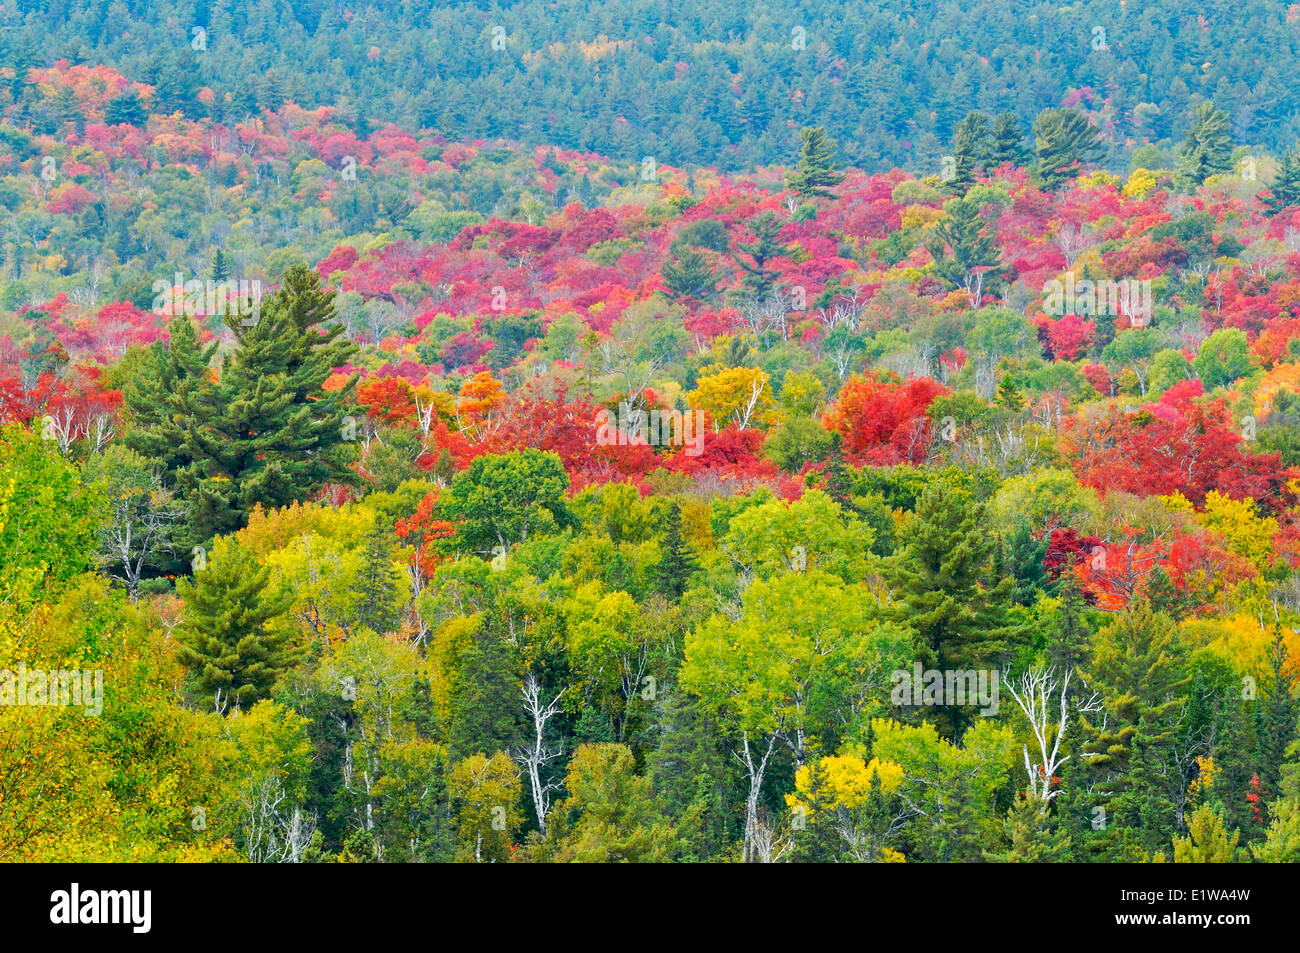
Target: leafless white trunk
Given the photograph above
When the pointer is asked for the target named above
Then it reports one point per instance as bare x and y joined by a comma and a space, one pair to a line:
756, 771
274, 831
743, 414
139, 527
1072, 239
1036, 692
538, 753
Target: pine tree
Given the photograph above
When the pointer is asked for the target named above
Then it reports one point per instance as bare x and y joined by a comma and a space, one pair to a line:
943, 575
1064, 139
875, 820
957, 835
1281, 843
377, 586
161, 398
964, 247
267, 432
1069, 648
759, 278
1207, 148
68, 109
1024, 559
1137, 669
1033, 834
838, 482
1280, 719
486, 713
1168, 597
972, 150
592, 726
739, 353
676, 564
220, 266
1235, 762
694, 784
19, 59
1008, 394
815, 835
160, 401
419, 710
817, 172
230, 641
1207, 840
1081, 810
1285, 192
1151, 784
125, 109
1008, 142
688, 274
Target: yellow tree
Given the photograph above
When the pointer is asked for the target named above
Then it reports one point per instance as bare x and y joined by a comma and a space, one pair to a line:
738, 395
485, 796
805, 652
838, 789
1207, 842
1243, 530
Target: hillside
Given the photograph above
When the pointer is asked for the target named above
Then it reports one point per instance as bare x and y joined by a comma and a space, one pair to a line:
471, 499
710, 83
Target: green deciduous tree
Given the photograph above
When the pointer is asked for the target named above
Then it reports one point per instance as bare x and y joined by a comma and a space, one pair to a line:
501, 500
799, 441
806, 654
142, 514
49, 520
959, 790
485, 796
1223, 357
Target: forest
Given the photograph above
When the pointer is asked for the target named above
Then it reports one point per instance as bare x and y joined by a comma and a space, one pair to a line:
712, 82
445, 489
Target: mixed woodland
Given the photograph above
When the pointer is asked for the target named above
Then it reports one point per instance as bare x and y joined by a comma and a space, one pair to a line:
366, 581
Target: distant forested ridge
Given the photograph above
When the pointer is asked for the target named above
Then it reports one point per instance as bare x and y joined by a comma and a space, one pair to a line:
716, 83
